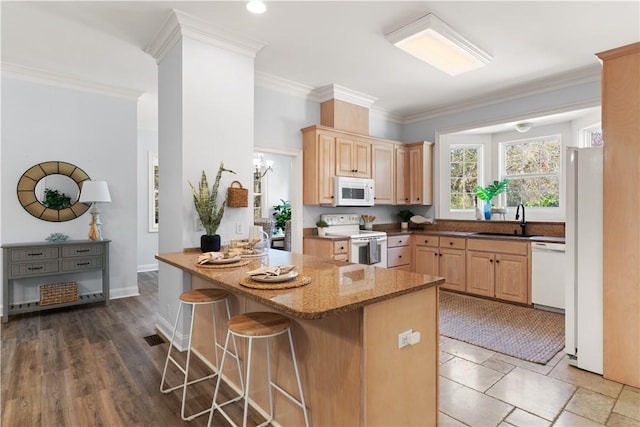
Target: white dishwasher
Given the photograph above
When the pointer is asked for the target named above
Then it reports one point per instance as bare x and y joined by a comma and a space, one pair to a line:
548, 275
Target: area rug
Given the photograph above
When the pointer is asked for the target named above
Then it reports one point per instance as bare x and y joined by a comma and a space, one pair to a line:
522, 332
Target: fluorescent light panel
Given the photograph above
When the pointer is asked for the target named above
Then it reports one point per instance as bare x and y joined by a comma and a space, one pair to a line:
434, 42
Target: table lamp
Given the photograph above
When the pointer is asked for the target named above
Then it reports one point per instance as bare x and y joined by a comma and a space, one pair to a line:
94, 192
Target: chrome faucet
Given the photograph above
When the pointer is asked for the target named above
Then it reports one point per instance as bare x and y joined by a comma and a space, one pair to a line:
523, 223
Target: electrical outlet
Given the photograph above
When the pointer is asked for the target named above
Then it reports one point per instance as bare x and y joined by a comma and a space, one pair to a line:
404, 338
238, 228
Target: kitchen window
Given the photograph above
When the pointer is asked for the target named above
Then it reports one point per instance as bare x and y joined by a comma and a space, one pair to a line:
464, 166
592, 136
533, 167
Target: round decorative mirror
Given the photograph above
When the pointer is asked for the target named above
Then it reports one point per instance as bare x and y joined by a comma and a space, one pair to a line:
50, 191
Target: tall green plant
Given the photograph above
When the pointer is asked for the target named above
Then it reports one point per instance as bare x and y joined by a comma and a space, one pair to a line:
487, 193
206, 201
282, 214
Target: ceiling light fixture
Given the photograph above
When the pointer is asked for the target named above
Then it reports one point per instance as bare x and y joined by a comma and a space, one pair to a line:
523, 127
256, 6
433, 41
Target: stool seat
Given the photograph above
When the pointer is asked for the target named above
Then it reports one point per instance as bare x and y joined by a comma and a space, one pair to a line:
206, 295
258, 324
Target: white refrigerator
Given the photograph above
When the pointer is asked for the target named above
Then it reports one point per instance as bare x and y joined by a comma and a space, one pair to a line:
583, 232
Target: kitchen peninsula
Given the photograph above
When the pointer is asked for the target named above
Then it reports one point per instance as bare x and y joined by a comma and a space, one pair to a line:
345, 327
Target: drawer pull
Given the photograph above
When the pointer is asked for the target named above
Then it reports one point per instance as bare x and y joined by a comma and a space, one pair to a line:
35, 254
35, 268
426, 241
399, 241
399, 256
83, 263
82, 250
450, 243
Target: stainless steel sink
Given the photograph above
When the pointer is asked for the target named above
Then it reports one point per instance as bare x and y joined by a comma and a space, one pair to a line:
488, 233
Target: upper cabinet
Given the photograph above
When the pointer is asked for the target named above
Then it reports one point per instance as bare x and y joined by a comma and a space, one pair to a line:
353, 157
403, 173
319, 166
383, 172
414, 174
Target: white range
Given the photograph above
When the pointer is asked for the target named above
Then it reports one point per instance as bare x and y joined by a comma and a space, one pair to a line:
365, 246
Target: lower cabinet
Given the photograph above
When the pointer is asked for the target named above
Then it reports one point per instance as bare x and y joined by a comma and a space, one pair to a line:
327, 248
504, 274
441, 256
399, 252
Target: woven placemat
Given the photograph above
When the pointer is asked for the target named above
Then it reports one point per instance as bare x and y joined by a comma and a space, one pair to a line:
240, 263
300, 280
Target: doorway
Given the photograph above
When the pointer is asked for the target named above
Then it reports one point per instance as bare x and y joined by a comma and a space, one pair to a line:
283, 182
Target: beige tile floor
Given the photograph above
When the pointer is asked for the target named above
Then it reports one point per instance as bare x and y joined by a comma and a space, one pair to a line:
482, 388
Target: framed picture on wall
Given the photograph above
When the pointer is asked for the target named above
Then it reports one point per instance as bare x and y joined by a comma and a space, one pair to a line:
153, 192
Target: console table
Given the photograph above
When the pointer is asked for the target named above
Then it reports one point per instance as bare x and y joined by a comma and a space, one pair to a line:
45, 259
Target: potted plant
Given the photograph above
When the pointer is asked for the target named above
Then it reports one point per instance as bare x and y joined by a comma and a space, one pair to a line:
282, 214
206, 204
405, 215
489, 192
321, 227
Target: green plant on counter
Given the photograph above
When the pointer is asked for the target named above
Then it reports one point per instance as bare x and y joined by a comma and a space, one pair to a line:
282, 214
321, 224
206, 201
490, 191
405, 215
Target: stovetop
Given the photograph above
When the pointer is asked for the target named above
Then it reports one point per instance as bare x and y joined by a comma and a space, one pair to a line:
347, 225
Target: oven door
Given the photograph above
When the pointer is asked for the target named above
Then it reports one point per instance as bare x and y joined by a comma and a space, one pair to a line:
362, 253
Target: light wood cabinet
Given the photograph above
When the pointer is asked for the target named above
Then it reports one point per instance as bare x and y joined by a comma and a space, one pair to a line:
353, 157
319, 166
621, 229
441, 256
401, 179
327, 248
414, 174
399, 252
498, 268
383, 172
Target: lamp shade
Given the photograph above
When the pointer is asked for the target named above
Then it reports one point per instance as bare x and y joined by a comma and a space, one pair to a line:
95, 191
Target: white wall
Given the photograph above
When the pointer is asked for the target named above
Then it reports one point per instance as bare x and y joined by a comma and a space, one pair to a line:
147, 240
98, 134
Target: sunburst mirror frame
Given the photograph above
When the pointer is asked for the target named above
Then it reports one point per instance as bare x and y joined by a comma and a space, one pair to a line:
27, 191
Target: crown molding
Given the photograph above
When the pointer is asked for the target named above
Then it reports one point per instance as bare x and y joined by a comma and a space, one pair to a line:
179, 24
334, 91
36, 75
580, 76
386, 115
278, 84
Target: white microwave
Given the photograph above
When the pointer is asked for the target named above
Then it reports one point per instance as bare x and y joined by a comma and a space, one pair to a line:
353, 191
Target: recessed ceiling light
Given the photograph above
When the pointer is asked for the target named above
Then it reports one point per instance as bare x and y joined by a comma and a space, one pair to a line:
256, 6
523, 127
433, 41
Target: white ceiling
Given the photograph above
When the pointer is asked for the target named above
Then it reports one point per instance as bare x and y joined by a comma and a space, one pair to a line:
315, 44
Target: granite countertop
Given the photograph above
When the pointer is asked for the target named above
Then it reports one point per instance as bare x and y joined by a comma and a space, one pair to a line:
335, 286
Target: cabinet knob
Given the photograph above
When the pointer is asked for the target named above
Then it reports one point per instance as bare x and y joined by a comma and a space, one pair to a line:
435, 254
399, 256
490, 260
426, 241
418, 198
341, 247
440, 254
497, 261
450, 243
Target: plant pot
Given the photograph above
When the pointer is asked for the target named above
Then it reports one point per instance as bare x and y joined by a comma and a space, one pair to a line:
487, 210
322, 231
210, 243
404, 225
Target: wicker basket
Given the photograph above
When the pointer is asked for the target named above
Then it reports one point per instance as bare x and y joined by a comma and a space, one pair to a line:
237, 197
58, 293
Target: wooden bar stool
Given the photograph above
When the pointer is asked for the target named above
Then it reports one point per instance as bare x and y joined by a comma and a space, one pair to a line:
195, 298
253, 326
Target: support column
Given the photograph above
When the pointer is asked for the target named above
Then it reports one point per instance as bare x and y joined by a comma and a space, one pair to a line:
205, 116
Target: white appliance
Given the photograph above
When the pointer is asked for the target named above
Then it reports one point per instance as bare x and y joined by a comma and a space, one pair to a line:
583, 232
547, 281
365, 246
353, 191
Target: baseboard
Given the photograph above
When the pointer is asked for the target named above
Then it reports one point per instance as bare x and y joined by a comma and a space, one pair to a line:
131, 291
147, 267
165, 328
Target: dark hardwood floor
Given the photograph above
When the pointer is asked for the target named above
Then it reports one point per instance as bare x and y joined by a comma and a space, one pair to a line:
90, 366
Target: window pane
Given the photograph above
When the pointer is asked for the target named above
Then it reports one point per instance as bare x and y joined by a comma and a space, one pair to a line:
463, 176
596, 138
539, 191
